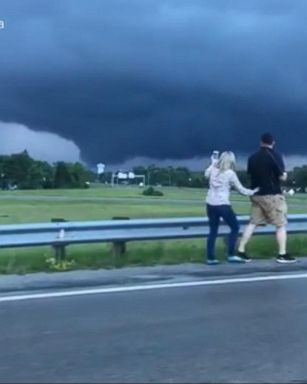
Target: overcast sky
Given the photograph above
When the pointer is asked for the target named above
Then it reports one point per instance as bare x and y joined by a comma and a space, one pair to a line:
162, 79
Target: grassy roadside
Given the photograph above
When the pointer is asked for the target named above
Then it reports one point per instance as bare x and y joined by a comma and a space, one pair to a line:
26, 260
108, 191
16, 207
73, 205
13, 211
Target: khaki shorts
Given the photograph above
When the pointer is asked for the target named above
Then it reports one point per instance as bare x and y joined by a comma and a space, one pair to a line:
269, 209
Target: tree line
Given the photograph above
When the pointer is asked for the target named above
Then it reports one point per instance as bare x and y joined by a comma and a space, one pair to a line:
22, 172
183, 177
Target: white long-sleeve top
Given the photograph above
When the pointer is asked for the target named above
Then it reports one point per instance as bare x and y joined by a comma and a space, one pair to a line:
220, 184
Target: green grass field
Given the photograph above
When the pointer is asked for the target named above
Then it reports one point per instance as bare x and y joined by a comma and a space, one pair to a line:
104, 202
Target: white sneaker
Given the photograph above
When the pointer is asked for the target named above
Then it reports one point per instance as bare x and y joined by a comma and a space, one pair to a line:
235, 259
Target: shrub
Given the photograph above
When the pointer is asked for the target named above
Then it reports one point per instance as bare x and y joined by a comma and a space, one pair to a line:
150, 191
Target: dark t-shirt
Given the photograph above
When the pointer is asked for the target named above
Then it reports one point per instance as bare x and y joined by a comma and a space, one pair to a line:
265, 167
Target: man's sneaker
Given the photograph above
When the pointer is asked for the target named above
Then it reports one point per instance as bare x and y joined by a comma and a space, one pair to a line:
244, 256
235, 259
286, 259
212, 261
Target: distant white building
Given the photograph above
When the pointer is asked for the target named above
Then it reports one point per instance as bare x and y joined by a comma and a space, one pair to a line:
127, 178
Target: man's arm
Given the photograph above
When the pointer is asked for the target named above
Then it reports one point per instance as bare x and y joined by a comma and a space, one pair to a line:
281, 169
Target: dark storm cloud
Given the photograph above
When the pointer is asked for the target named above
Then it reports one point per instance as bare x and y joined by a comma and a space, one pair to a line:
156, 78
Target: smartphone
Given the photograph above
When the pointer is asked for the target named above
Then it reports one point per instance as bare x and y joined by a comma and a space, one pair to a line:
215, 155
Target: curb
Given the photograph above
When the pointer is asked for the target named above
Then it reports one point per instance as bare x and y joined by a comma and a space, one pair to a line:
142, 275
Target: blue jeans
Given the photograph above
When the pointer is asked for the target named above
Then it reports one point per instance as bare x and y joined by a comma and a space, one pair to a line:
215, 212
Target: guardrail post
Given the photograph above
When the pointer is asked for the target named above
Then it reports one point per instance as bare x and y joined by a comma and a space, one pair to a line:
59, 249
59, 252
119, 247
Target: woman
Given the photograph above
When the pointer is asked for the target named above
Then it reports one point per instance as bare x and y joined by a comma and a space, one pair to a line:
222, 177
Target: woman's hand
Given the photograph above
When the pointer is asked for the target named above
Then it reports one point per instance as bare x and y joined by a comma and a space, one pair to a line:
284, 176
213, 160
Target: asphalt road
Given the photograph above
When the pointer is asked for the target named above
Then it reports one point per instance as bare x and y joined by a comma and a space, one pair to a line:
242, 332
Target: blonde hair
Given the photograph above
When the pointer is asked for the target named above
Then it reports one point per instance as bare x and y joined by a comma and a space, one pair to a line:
226, 161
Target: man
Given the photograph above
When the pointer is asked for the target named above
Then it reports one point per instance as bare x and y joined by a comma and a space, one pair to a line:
266, 169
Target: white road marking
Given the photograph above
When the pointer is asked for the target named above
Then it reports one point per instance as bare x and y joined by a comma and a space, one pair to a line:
147, 287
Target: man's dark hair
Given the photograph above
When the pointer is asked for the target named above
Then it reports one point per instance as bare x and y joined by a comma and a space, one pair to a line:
267, 138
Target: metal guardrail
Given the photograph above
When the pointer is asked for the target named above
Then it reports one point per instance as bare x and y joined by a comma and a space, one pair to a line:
59, 235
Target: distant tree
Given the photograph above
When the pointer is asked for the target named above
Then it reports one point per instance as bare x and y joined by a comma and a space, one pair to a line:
47, 173
299, 177
139, 170
198, 180
17, 169
152, 174
78, 175
21, 170
62, 176
243, 177
170, 174
166, 176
